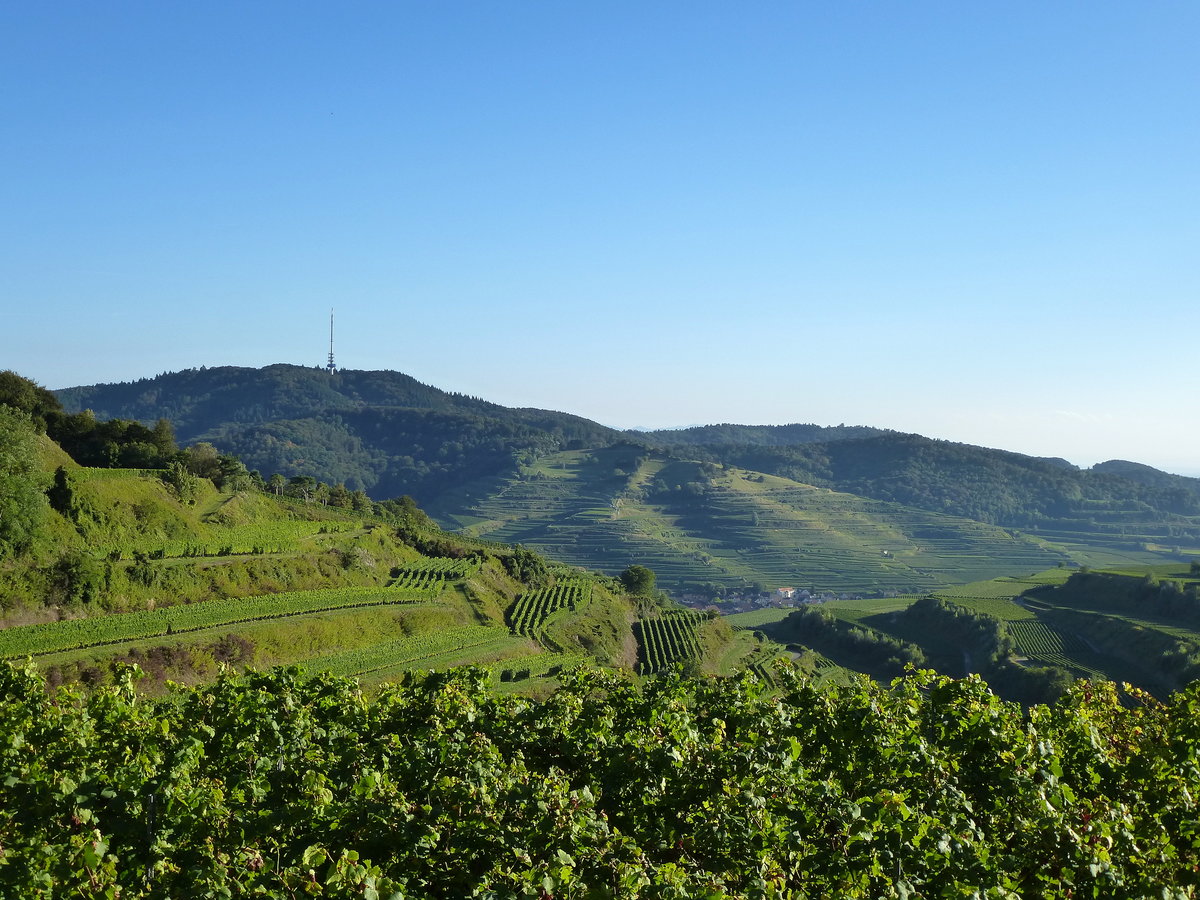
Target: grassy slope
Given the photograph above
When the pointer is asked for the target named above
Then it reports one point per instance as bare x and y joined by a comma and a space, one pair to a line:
1093, 631
139, 549
585, 508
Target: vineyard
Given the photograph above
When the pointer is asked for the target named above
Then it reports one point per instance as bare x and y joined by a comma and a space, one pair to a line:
284, 536
432, 576
276, 785
1051, 646
667, 640
425, 651
574, 507
531, 610
78, 634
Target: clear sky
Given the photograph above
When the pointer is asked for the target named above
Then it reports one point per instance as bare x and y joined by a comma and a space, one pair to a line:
976, 221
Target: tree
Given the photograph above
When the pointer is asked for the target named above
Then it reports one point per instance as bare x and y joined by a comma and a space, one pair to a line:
203, 460
22, 503
182, 482
526, 566
61, 495
638, 580
164, 438
29, 397
302, 487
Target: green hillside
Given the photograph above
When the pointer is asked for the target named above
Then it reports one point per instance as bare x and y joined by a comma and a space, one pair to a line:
185, 568
166, 569
1029, 635
702, 525
895, 511
383, 432
1118, 505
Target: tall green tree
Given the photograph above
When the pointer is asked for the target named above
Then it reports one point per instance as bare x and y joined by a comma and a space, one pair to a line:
29, 397
22, 501
638, 580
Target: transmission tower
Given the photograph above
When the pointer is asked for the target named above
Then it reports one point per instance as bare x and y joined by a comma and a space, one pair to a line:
330, 366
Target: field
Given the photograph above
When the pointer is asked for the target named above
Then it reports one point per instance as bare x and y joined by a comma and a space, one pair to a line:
529, 613
732, 528
440, 649
78, 634
666, 640
1087, 636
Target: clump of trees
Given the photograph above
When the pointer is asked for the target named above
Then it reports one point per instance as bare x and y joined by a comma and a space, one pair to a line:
23, 503
859, 648
638, 580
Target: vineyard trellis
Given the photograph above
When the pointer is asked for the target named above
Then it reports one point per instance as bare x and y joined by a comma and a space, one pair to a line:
80, 634
432, 576
531, 610
1050, 645
668, 639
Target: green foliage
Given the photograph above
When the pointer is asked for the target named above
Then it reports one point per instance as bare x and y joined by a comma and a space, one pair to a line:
23, 506
114, 629
531, 610
183, 482
526, 566
851, 646
275, 785
638, 580
29, 397
78, 577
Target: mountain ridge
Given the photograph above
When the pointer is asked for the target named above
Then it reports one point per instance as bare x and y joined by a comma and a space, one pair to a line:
388, 434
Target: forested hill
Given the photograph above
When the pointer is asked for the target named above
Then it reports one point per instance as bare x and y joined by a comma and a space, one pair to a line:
388, 434
993, 486
380, 431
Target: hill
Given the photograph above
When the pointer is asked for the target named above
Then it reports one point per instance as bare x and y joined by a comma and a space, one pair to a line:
383, 432
1122, 506
182, 574
704, 527
476, 464
199, 564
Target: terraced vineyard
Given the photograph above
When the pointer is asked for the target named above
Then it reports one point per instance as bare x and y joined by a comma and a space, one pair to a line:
1048, 645
667, 640
426, 651
592, 509
256, 538
78, 634
531, 610
432, 576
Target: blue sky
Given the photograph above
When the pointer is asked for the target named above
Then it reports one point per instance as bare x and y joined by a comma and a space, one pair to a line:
975, 221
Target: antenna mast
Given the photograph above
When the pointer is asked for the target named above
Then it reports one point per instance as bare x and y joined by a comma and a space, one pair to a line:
330, 366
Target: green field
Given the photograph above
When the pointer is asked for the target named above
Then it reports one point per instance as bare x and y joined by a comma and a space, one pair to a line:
77, 634
592, 509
